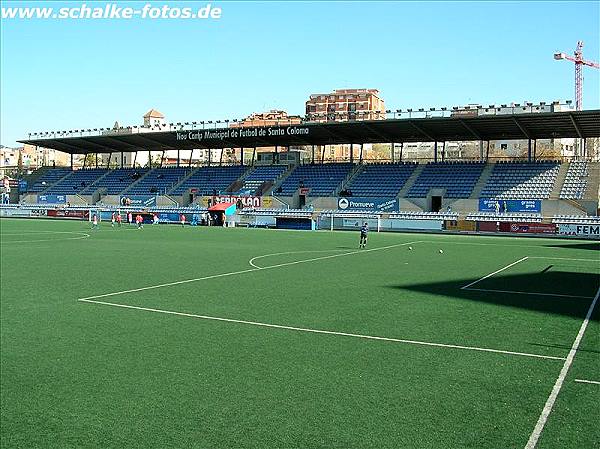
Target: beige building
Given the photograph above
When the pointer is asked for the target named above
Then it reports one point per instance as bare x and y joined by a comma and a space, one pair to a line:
346, 104
270, 118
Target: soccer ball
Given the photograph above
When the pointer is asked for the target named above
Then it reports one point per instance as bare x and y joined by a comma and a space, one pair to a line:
410, 248
441, 251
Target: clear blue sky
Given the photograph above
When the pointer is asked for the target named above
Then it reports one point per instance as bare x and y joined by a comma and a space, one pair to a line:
61, 74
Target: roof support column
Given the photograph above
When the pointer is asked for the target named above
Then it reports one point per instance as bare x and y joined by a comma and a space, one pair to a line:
393, 147
134, 159
435, 152
96, 160
487, 151
220, 158
401, 150
178, 155
253, 156
312, 155
351, 153
534, 148
361, 153
191, 154
108, 161
529, 150
443, 151
71, 161
210, 156
122, 159
149, 159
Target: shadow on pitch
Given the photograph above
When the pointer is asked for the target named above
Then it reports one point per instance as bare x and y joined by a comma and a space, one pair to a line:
549, 281
589, 246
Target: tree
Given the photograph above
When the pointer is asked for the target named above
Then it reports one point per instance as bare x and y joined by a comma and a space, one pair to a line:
20, 162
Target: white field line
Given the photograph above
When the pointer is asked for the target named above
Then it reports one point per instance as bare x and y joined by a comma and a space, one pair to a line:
495, 272
82, 235
320, 331
234, 273
565, 258
527, 293
539, 427
251, 261
584, 381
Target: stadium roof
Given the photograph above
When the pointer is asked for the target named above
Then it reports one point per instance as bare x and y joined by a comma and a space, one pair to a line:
572, 124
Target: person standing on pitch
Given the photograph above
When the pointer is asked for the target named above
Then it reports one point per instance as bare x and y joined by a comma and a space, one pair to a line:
364, 230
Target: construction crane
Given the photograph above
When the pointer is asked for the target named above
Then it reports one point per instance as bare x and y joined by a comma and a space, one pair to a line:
579, 61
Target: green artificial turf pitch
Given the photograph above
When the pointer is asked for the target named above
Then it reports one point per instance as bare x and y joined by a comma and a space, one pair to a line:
78, 374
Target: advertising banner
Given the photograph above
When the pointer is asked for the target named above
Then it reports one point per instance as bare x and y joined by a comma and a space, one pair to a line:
460, 225
61, 213
52, 199
489, 205
370, 204
399, 224
246, 201
139, 200
528, 228
487, 226
356, 223
16, 212
591, 231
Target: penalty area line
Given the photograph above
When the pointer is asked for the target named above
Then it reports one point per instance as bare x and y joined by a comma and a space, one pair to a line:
321, 331
234, 273
495, 272
585, 381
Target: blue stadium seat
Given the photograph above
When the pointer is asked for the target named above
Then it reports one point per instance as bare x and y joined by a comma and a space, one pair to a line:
321, 179
48, 179
521, 180
457, 178
381, 180
158, 181
208, 179
260, 175
77, 181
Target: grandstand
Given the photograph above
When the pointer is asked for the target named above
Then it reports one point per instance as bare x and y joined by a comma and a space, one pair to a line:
207, 180
380, 179
321, 180
116, 180
457, 179
47, 179
259, 176
157, 181
76, 181
576, 181
521, 180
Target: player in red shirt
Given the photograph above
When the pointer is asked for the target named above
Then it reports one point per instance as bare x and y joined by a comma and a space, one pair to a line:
119, 219
182, 218
140, 221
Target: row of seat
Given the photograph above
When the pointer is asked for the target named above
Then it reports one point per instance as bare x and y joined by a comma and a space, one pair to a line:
384, 180
457, 180
576, 181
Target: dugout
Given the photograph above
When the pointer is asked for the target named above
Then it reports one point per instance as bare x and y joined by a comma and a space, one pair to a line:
219, 213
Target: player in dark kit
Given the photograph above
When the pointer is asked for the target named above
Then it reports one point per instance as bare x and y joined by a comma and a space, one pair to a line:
364, 230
